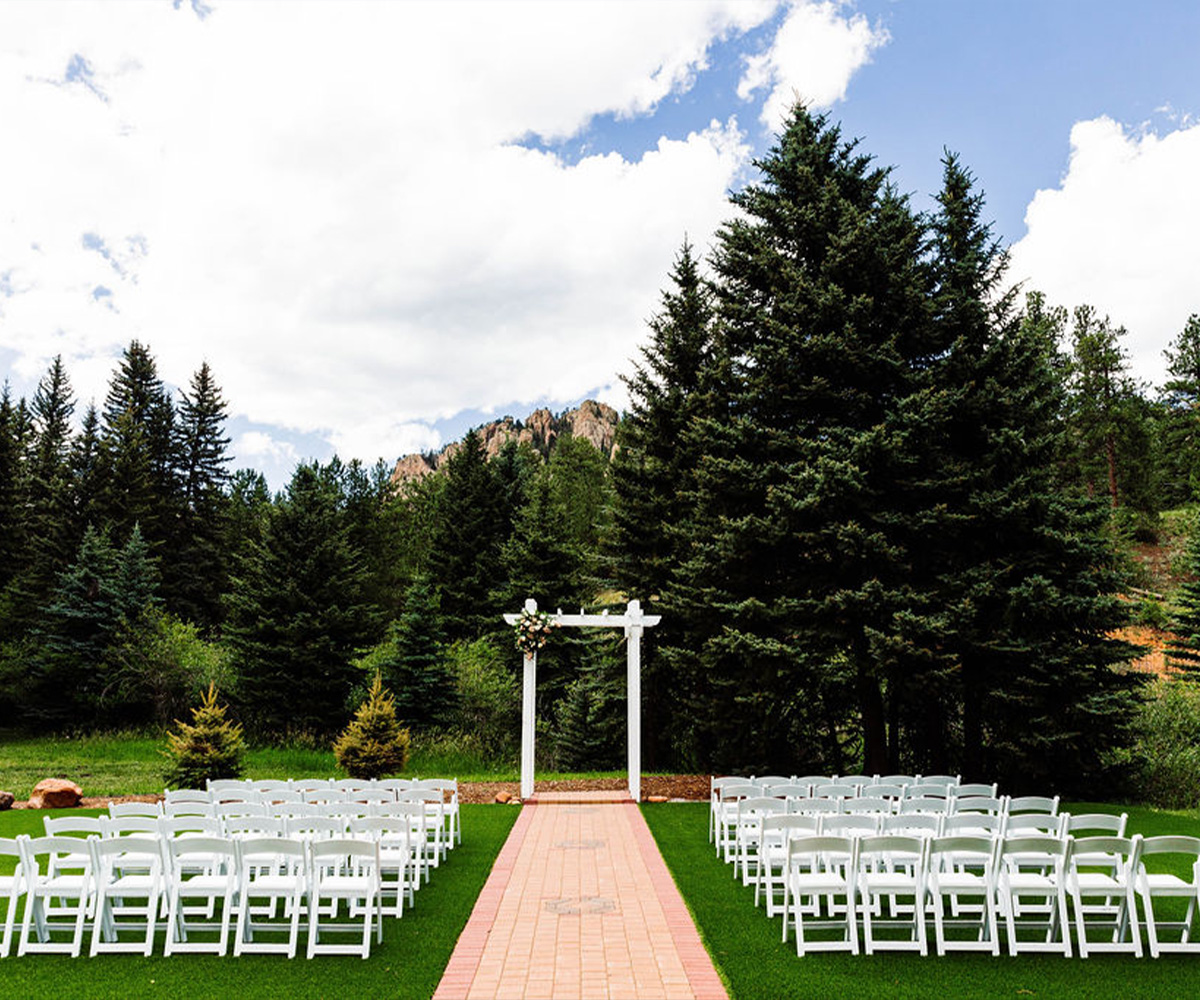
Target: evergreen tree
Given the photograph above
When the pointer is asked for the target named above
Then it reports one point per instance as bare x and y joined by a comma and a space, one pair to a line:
651, 472
11, 514
208, 749
373, 745
472, 524
790, 575
198, 574
541, 559
1181, 396
85, 473
1184, 649
297, 613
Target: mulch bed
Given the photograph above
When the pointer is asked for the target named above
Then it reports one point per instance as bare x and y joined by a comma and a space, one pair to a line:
689, 787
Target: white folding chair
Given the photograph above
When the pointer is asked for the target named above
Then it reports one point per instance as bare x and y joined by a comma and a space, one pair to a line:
1169, 852
749, 829
126, 868
448, 786
396, 858
911, 824
129, 826
882, 791
1112, 884
47, 880
413, 813
771, 859
1034, 866
344, 869
270, 869
891, 866
12, 889
976, 788
728, 794
821, 868
174, 796
200, 868
78, 829
435, 823
986, 805
963, 870
1033, 804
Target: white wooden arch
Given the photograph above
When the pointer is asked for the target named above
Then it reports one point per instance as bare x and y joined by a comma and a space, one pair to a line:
633, 622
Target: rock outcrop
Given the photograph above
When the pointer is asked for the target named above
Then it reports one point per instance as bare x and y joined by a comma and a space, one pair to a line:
6, 800
594, 422
55, 793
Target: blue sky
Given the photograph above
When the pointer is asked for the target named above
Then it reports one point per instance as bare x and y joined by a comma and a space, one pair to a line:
382, 223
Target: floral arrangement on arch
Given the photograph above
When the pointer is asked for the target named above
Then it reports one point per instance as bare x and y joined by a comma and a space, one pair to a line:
532, 630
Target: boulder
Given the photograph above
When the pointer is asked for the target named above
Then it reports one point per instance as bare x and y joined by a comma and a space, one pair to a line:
55, 793
6, 800
656, 798
503, 797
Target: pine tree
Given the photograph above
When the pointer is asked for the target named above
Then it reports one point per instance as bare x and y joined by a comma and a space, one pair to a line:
297, 614
374, 745
1181, 396
1184, 649
209, 748
199, 572
790, 575
541, 559
651, 473
86, 489
11, 513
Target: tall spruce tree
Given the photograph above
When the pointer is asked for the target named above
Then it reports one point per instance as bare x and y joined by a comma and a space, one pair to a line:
297, 614
651, 471
1181, 396
791, 575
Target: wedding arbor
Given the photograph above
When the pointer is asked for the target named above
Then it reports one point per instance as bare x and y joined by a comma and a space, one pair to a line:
633, 622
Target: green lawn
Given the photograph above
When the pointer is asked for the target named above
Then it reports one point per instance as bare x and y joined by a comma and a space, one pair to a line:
756, 965
407, 966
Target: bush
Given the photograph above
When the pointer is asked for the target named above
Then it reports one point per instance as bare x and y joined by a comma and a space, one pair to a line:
374, 745
211, 747
1164, 760
489, 697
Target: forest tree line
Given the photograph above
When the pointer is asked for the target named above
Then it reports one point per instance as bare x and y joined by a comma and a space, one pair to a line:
876, 496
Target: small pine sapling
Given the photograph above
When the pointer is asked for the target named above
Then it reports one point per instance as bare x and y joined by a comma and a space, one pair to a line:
374, 745
211, 747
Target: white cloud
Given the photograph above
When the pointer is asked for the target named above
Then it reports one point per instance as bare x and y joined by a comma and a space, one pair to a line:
324, 201
1119, 233
815, 53
260, 445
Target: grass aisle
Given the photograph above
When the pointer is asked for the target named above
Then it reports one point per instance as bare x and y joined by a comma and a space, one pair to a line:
407, 966
756, 965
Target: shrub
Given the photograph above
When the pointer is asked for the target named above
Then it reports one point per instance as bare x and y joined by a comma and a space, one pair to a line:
489, 697
210, 747
374, 745
1164, 760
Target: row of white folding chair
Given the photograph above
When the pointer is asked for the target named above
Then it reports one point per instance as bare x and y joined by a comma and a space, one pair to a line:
766, 849
424, 833
837, 881
737, 813
113, 872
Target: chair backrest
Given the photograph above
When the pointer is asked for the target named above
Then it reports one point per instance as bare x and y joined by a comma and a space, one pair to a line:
226, 784
146, 850
972, 825
412, 811
431, 795
897, 779
236, 826
1171, 845
72, 826
172, 795
222, 796
856, 780
270, 785
843, 824
813, 779
791, 790
188, 808
891, 847
212, 849
1025, 846
1104, 824
1033, 804
252, 851
865, 804
958, 849
978, 804
124, 826
315, 826
51, 848
225, 809
280, 797
1025, 823
766, 780
732, 792
751, 809
337, 851
924, 804
975, 788
309, 784
170, 827
814, 807
835, 790
388, 829
326, 795
940, 779
372, 796
393, 785
349, 784
116, 809
1088, 849
827, 848
921, 790
912, 824
790, 824
882, 791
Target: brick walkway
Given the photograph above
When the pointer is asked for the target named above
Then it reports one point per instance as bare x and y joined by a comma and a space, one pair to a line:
580, 905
